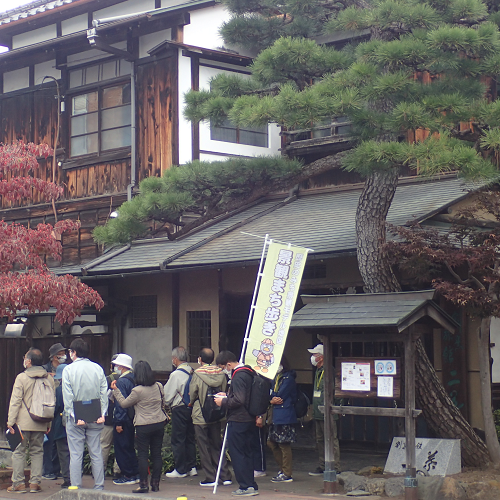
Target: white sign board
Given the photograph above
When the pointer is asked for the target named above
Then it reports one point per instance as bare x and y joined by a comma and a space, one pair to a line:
355, 377
434, 457
385, 387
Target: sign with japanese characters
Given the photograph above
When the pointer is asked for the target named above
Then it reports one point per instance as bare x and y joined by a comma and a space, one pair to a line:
356, 377
278, 292
433, 457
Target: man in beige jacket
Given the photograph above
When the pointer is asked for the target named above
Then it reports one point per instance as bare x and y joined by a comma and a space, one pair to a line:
33, 432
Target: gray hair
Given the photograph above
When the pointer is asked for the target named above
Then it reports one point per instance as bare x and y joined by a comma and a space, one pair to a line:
180, 353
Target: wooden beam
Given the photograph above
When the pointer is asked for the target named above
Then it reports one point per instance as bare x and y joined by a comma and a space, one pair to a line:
366, 337
371, 411
330, 483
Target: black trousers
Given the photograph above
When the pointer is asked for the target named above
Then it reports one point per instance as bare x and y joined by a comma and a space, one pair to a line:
63, 454
182, 442
239, 438
125, 450
259, 448
50, 458
209, 441
150, 439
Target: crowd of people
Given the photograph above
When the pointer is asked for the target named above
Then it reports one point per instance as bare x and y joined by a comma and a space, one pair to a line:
130, 410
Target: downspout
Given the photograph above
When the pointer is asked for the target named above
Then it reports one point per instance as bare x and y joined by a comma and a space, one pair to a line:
96, 43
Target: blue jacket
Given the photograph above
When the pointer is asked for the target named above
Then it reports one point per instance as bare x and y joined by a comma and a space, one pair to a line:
284, 387
125, 384
57, 430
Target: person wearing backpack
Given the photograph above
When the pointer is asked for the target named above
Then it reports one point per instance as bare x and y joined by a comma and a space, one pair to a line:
25, 404
282, 431
123, 421
177, 398
240, 423
207, 381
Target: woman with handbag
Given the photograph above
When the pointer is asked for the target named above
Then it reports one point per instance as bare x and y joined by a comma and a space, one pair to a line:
282, 432
150, 418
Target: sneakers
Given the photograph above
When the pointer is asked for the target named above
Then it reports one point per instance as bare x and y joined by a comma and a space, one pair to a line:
259, 473
49, 476
207, 483
20, 488
227, 483
35, 488
125, 480
317, 472
249, 492
282, 478
193, 472
174, 473
65, 485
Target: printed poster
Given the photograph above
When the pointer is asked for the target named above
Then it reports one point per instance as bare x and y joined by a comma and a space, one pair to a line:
385, 387
278, 292
355, 377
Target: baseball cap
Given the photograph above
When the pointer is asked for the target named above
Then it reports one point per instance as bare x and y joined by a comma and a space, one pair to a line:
317, 350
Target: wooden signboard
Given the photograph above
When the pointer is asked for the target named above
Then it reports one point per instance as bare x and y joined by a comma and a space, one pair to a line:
368, 377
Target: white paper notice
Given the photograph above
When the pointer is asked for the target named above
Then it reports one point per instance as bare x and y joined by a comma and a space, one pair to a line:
355, 377
385, 388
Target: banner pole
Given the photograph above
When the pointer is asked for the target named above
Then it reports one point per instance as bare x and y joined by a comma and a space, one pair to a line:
267, 241
221, 458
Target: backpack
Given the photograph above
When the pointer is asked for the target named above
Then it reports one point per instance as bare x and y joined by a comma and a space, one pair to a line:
43, 403
301, 404
210, 411
185, 395
260, 392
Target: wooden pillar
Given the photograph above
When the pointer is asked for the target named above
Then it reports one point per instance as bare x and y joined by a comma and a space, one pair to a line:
330, 483
410, 427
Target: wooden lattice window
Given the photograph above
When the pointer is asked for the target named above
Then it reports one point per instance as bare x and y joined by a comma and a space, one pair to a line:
144, 311
199, 330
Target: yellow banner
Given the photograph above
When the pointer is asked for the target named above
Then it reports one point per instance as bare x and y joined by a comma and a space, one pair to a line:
278, 292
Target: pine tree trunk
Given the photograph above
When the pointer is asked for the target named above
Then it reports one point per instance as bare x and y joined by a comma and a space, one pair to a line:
438, 409
483, 341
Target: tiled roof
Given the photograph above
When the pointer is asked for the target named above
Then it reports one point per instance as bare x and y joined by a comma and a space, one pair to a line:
32, 9
324, 222
376, 310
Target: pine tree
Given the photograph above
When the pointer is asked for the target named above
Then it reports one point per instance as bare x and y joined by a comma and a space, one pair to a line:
424, 66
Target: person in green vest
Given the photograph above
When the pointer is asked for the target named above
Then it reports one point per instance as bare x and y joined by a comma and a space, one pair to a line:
319, 417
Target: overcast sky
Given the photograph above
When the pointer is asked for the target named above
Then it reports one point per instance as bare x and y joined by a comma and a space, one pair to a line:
11, 4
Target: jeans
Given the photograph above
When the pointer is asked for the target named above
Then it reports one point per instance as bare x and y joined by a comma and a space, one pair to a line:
239, 439
182, 442
34, 440
125, 449
77, 436
150, 439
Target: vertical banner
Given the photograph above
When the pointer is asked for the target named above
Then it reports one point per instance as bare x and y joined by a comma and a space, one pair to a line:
278, 292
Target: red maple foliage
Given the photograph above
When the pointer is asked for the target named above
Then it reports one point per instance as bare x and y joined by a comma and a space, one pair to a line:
26, 283
462, 260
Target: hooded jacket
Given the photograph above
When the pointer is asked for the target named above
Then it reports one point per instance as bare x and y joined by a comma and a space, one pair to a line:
238, 397
23, 391
204, 377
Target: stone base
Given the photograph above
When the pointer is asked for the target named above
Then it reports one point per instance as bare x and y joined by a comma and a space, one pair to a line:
6, 475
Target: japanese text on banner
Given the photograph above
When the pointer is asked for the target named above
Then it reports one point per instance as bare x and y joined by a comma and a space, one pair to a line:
278, 292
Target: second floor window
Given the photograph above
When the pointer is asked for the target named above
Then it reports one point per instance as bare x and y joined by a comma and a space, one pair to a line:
228, 132
100, 120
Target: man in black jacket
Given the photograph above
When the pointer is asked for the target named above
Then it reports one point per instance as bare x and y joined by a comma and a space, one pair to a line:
240, 423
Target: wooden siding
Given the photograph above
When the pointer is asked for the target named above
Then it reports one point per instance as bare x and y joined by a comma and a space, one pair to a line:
156, 117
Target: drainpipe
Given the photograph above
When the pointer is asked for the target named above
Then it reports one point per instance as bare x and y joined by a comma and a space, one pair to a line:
97, 43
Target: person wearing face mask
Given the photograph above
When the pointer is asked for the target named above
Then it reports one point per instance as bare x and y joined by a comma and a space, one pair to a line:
51, 466
33, 432
318, 416
84, 380
282, 432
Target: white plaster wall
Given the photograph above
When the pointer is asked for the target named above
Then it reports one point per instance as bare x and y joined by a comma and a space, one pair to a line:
47, 68
124, 8
203, 31
206, 144
153, 345
495, 351
34, 36
92, 54
147, 42
185, 140
74, 24
15, 80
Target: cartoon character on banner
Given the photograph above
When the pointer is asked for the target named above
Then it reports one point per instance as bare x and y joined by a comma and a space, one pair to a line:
265, 356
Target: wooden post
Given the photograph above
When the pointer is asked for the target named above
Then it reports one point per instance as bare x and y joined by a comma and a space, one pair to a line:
411, 477
330, 483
